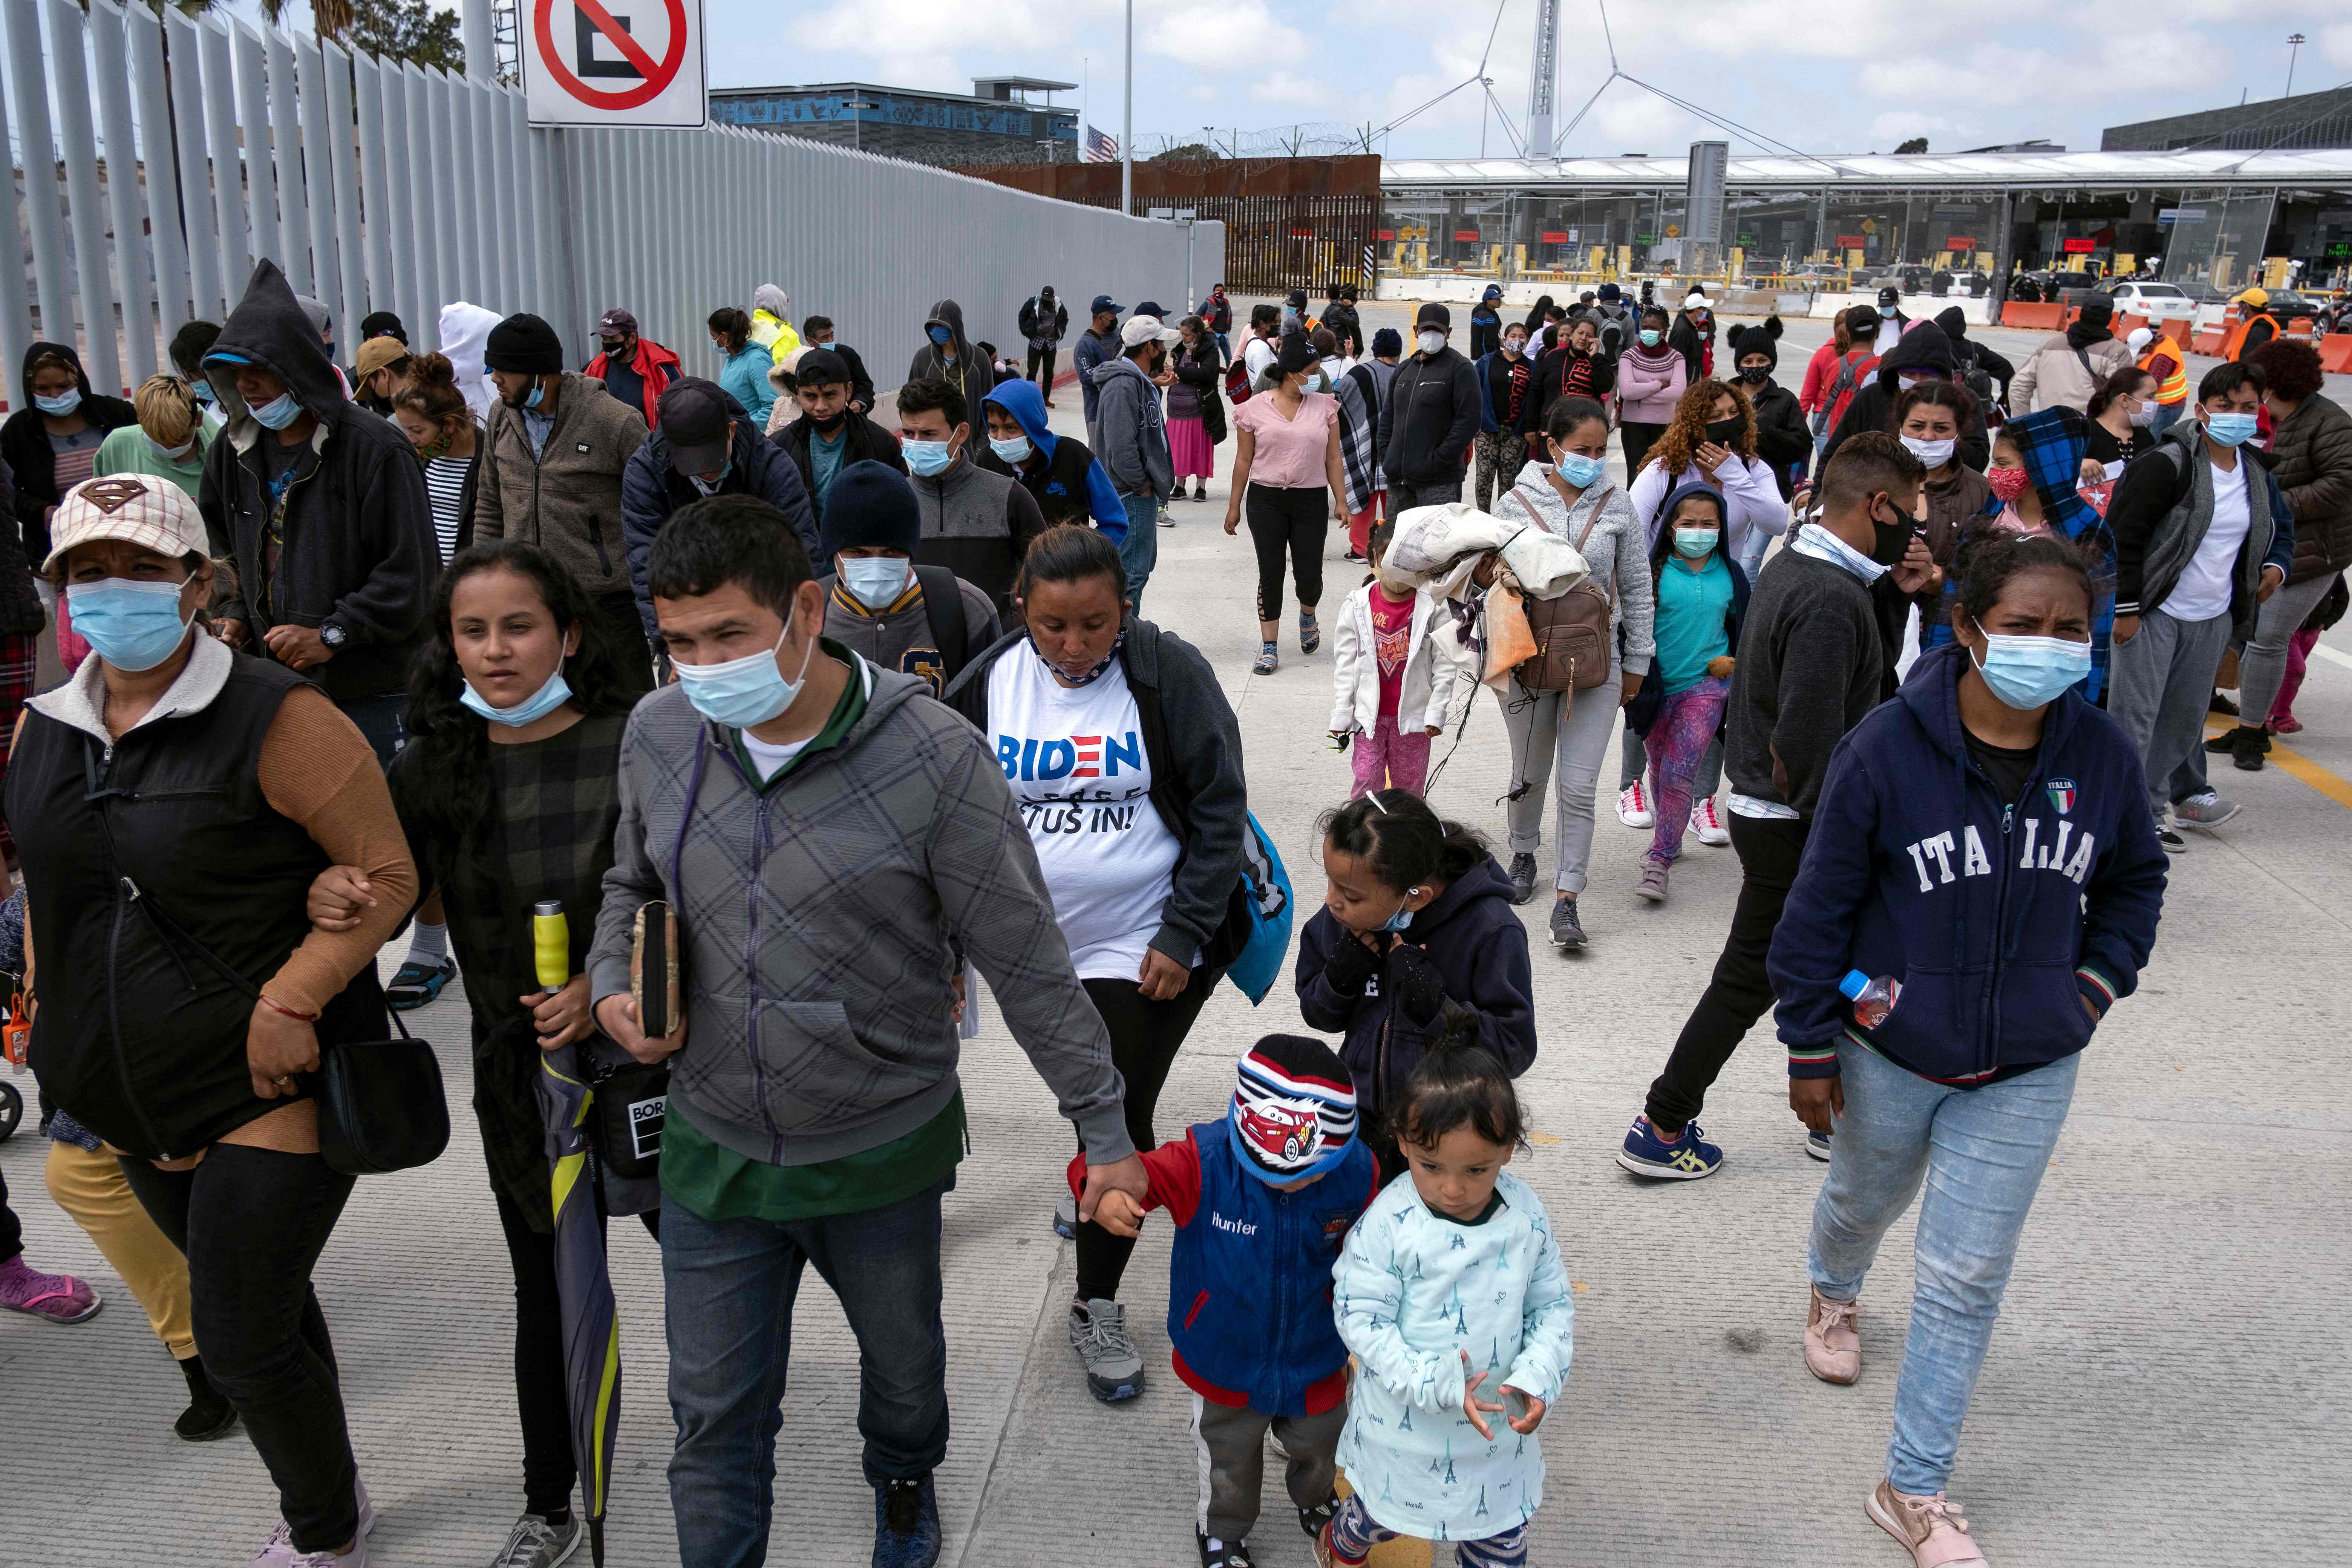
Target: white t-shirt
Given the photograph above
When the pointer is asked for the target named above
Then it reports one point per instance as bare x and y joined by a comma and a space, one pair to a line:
769, 759
1075, 759
1257, 356
2203, 590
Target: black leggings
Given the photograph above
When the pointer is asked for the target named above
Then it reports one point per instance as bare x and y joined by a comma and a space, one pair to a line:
541, 1396
1145, 1036
1638, 439
253, 1223
1042, 357
1295, 520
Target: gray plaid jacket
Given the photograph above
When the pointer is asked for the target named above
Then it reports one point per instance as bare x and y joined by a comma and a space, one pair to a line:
819, 924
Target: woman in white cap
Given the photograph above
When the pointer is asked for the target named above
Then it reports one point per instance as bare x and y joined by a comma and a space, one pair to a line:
174, 801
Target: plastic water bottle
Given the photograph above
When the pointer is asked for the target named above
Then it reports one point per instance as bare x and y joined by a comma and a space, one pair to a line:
1872, 999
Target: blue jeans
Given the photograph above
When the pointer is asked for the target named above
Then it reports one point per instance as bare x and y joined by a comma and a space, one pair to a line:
731, 1285
2168, 415
1139, 550
1981, 1153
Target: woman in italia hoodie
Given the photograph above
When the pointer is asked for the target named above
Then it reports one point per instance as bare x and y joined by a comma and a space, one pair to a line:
2011, 883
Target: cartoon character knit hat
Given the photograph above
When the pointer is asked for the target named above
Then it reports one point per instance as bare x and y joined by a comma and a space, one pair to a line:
1294, 1111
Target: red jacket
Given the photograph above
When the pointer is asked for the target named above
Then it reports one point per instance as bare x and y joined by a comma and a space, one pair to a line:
1818, 373
656, 365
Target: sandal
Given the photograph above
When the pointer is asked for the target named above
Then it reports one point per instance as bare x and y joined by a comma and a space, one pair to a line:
1310, 636
1268, 659
58, 1297
418, 983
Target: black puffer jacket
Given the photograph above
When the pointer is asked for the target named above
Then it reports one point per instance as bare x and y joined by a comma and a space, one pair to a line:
2312, 461
358, 552
1781, 438
24, 448
1871, 407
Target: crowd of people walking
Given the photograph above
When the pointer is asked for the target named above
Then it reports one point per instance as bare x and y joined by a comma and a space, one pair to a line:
807, 716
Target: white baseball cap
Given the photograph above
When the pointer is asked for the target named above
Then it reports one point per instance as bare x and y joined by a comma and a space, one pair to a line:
152, 514
1143, 329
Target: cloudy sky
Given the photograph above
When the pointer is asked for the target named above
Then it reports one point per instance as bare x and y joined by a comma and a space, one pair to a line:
1856, 77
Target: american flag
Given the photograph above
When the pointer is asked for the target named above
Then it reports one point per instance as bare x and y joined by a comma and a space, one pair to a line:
1100, 148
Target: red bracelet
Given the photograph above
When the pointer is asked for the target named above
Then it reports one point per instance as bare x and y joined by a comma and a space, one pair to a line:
281, 1007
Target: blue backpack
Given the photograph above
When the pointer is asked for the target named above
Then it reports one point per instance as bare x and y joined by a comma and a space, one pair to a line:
1260, 915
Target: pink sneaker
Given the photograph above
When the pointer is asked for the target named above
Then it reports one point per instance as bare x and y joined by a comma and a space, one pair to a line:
1633, 806
59, 1298
1707, 824
1833, 1339
1930, 1527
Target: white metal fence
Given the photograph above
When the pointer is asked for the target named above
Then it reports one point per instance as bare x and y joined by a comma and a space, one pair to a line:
159, 158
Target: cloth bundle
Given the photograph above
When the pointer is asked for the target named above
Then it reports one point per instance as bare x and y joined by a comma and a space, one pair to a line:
1443, 548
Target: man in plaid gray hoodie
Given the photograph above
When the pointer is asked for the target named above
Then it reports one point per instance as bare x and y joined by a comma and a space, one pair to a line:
835, 844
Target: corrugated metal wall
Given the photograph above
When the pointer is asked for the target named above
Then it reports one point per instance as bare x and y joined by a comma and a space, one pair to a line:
381, 187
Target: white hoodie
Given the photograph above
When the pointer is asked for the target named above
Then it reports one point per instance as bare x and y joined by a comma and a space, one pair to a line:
464, 335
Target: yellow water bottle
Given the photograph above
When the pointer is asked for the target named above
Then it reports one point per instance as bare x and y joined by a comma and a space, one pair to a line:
551, 943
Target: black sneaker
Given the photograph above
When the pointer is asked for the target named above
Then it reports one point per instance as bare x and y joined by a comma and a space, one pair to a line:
2171, 840
208, 1414
1567, 930
1523, 877
905, 1524
2248, 745
2222, 704
1226, 1554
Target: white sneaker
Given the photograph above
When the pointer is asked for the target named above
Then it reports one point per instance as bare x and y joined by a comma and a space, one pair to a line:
1706, 824
1633, 806
278, 1551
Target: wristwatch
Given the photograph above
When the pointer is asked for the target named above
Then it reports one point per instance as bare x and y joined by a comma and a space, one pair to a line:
332, 634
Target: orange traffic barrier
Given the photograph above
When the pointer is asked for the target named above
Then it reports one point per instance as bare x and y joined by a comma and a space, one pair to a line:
2336, 353
2303, 327
2048, 317
2177, 328
2125, 325
2208, 343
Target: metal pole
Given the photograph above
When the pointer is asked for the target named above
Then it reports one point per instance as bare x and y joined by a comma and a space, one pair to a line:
1127, 125
2295, 43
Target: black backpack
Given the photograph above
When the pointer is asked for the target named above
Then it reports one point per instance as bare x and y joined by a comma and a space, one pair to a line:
943, 606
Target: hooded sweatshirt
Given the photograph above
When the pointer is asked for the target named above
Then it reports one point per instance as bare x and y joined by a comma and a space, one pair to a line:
1472, 937
1094, 351
1987, 372
1871, 407
769, 327
25, 446
465, 337
2000, 918
823, 913
978, 525
356, 525
1060, 473
1132, 429
1043, 320
967, 372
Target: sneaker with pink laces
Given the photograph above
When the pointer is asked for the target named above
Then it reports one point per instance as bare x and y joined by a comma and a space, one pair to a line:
1929, 1527
279, 1552
1833, 1339
1633, 806
59, 1298
1706, 824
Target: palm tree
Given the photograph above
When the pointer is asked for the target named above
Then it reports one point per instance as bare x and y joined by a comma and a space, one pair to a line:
329, 18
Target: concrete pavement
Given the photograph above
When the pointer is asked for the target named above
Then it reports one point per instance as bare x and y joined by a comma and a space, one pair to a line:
2165, 1387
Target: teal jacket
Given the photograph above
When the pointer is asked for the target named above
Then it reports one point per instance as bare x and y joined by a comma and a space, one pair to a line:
746, 375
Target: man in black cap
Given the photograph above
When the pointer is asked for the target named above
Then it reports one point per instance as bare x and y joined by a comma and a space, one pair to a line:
1429, 417
832, 432
1259, 349
1890, 317
634, 369
705, 444
1098, 345
382, 324
922, 621
549, 473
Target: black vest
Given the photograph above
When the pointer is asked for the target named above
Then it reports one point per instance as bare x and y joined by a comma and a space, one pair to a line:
138, 1037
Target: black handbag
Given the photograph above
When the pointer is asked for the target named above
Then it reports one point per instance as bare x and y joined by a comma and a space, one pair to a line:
632, 1101
382, 1107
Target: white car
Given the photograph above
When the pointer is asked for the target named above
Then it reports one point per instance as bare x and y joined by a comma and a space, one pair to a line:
2157, 302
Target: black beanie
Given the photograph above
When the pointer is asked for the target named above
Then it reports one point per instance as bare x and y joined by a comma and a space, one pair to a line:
524, 345
871, 504
1763, 339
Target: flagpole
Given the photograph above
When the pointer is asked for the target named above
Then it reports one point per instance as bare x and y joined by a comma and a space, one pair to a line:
1127, 125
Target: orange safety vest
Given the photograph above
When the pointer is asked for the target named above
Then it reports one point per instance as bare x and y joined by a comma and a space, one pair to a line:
2237, 338
2173, 388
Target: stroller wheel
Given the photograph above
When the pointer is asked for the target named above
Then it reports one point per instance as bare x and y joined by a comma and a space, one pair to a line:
11, 1110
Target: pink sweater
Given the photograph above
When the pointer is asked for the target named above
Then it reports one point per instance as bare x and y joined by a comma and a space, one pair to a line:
1647, 387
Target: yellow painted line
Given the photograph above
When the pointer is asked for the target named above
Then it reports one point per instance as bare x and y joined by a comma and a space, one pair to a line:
2297, 765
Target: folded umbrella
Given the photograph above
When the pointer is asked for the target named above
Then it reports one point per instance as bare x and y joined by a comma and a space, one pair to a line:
591, 1324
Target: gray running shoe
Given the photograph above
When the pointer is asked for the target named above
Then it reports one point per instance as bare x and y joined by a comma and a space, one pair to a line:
2208, 810
1523, 877
1098, 1333
535, 1543
1567, 930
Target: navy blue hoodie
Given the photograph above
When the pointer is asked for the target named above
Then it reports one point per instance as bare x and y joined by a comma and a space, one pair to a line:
1474, 938
2000, 918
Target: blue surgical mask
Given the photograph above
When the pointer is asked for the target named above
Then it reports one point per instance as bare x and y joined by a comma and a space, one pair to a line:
1403, 917
1649, 336
179, 454
928, 458
2230, 429
2028, 672
1581, 472
202, 390
530, 710
1693, 544
63, 404
279, 411
133, 625
875, 580
745, 691
941, 336
1016, 451
538, 391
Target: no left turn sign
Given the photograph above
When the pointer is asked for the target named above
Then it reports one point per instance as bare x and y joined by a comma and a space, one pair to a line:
614, 62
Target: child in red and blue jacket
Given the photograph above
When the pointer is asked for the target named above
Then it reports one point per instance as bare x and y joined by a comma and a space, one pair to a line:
1262, 1201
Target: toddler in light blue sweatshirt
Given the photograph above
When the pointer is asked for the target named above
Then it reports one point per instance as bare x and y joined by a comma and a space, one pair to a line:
1452, 1293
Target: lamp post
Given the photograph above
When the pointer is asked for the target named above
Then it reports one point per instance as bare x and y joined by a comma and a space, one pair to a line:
857, 120
1127, 125
2294, 42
